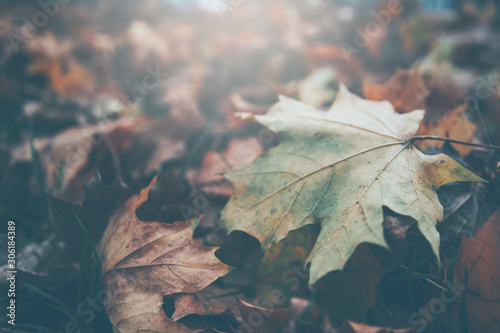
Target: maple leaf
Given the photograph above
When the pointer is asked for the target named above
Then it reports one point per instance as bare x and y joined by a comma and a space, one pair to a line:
143, 261
339, 168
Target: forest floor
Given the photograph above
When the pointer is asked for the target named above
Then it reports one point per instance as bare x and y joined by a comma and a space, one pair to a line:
119, 120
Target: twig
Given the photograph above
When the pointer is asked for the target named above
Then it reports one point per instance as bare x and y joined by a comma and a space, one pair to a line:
437, 138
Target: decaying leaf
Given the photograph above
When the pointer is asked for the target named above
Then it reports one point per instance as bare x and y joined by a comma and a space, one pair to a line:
75, 80
143, 261
239, 153
466, 208
210, 310
263, 320
455, 125
282, 268
186, 304
66, 158
405, 90
478, 268
339, 168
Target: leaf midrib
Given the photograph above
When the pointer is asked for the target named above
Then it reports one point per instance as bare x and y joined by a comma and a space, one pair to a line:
316, 171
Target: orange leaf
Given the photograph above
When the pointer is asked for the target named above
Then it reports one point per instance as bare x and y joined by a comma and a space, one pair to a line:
479, 256
405, 90
455, 125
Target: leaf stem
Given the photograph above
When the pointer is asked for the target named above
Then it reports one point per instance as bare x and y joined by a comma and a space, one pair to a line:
437, 138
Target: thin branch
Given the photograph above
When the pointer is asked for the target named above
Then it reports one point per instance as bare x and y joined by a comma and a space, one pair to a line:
437, 138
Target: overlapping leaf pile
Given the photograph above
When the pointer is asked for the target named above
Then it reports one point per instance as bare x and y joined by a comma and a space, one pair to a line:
333, 212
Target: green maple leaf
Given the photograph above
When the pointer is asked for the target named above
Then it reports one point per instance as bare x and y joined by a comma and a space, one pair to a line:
339, 168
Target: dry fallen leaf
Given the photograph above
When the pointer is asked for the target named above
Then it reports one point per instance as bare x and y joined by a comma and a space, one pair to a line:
239, 153
257, 319
455, 125
339, 168
282, 268
405, 90
143, 261
186, 304
65, 158
68, 76
479, 256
